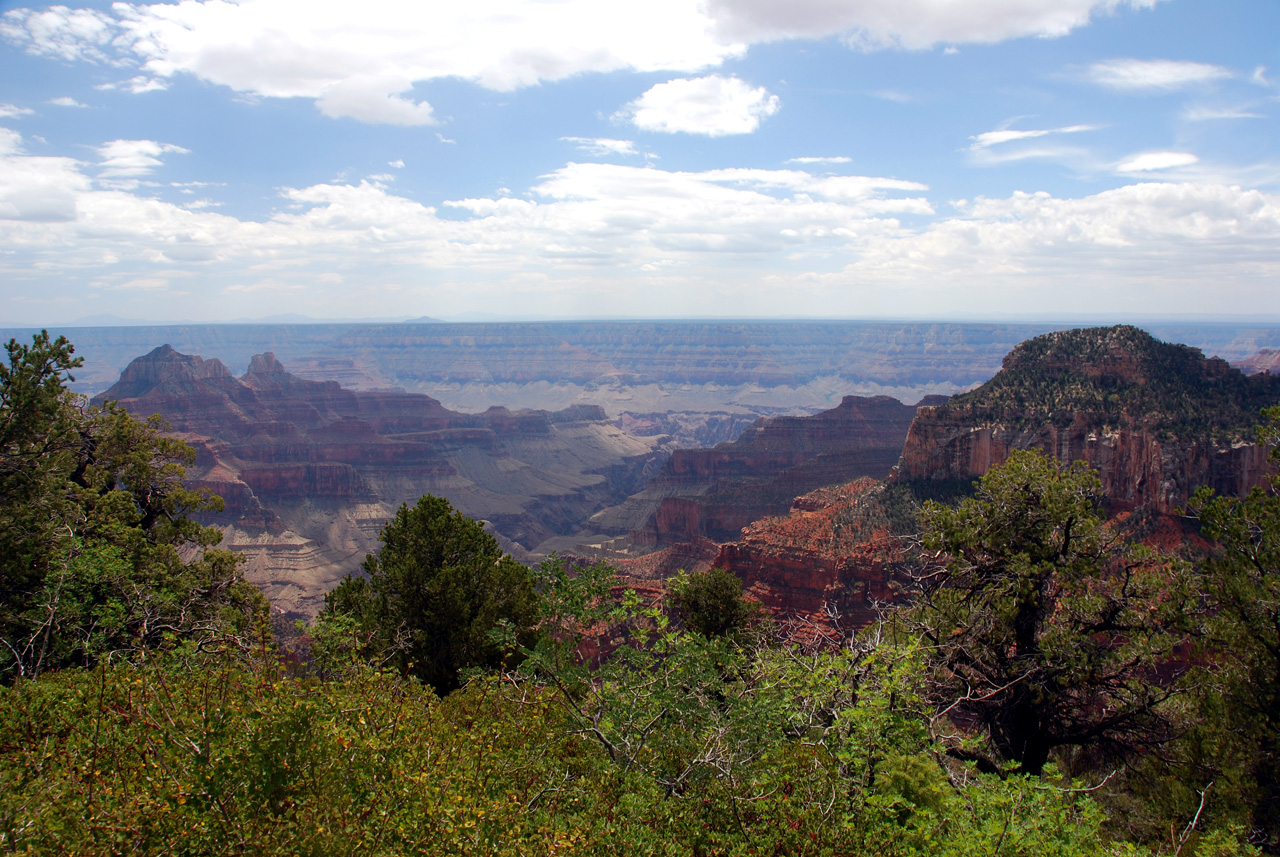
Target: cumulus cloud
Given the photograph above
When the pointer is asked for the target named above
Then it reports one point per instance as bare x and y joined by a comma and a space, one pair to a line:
770, 239
715, 106
374, 99
354, 63
11, 111
66, 101
1139, 75
1155, 230
10, 142
133, 158
602, 146
1152, 161
358, 60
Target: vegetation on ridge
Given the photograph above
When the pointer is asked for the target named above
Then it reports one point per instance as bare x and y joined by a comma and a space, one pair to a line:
1115, 377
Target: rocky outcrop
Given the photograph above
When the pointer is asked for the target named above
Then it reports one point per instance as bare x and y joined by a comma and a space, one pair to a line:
1156, 420
309, 470
830, 561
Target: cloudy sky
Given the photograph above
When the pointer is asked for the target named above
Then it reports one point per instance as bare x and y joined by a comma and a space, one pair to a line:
216, 160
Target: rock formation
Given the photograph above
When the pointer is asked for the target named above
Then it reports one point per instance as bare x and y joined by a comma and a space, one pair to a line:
1266, 360
1156, 420
310, 470
831, 560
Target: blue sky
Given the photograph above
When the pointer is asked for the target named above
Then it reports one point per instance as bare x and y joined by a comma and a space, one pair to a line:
213, 160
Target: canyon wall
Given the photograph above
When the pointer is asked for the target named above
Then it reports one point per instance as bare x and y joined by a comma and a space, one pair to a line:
714, 493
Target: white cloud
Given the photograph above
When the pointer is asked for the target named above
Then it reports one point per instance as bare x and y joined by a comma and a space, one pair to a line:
353, 65
1150, 161
66, 34
602, 146
397, 164
837, 159
715, 106
374, 99
11, 111
604, 237
66, 101
36, 190
1133, 74
1156, 231
10, 142
995, 138
133, 158
911, 24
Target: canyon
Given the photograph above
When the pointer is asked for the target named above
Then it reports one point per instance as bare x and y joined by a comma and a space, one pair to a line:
806, 507
310, 471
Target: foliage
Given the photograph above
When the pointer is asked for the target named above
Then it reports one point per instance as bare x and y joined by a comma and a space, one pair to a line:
1242, 696
1043, 631
99, 553
435, 594
192, 754
711, 602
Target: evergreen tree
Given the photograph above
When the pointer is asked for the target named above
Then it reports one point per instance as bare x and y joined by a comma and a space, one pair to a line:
98, 553
436, 596
1044, 630
1244, 684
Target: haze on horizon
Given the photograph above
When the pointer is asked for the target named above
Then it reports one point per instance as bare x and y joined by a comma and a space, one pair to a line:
208, 160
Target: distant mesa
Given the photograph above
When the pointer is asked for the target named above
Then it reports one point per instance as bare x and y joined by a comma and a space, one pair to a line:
1266, 360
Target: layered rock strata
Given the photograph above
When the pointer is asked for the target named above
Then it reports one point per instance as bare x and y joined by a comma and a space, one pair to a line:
829, 562
714, 493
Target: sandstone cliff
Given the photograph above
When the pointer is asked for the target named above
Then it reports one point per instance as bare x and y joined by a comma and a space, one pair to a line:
1156, 420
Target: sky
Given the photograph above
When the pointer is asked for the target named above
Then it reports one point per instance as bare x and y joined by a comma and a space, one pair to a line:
211, 160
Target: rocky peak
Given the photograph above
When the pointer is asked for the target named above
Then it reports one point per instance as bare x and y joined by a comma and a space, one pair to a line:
1266, 360
1157, 420
265, 364
166, 368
